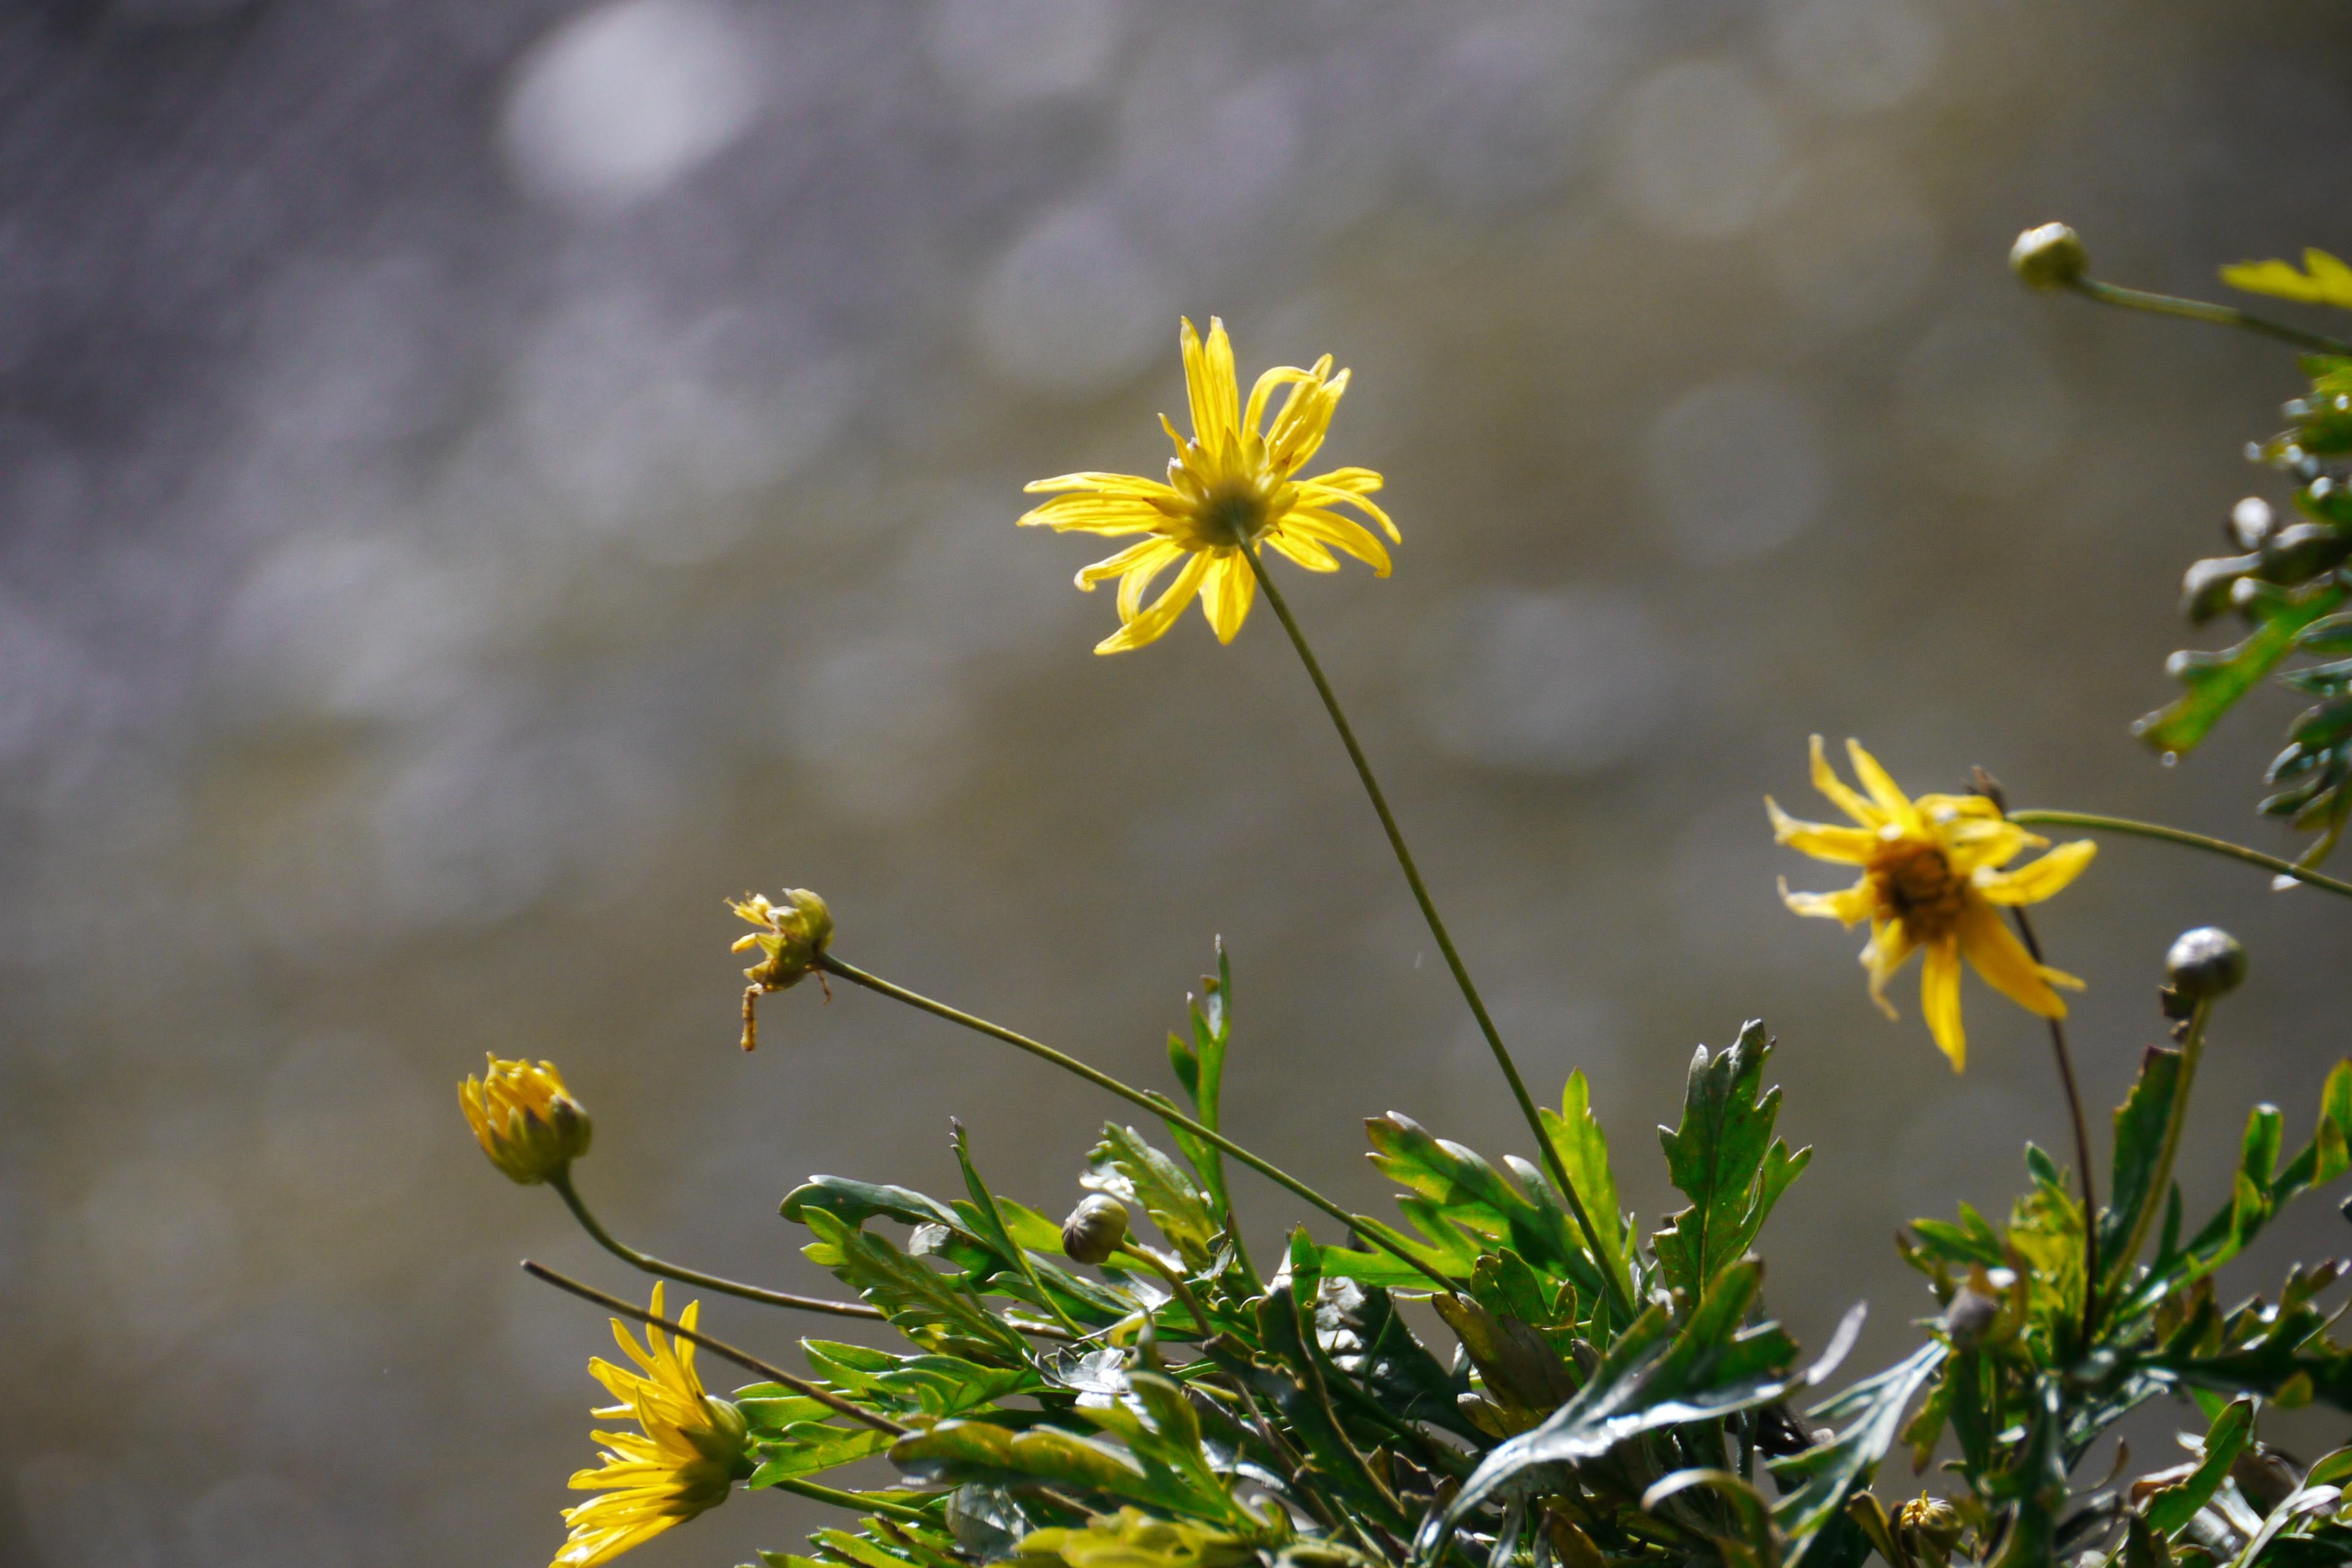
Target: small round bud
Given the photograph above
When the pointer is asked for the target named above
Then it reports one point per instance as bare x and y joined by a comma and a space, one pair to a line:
2050, 257
1931, 1520
2205, 964
1970, 1315
1094, 1229
2250, 522
525, 1120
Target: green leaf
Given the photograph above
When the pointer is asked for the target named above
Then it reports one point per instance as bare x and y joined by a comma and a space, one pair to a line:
1654, 1376
2141, 1122
1464, 1208
1138, 1174
2215, 681
2170, 1509
1200, 1067
1583, 1149
1724, 1159
926, 1306
1817, 1482
1132, 1539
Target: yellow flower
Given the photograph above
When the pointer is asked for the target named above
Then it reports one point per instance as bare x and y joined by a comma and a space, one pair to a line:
2324, 281
691, 1450
1931, 880
1229, 488
527, 1122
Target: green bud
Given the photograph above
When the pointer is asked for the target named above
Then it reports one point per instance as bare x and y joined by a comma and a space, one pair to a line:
1094, 1229
2050, 257
2205, 964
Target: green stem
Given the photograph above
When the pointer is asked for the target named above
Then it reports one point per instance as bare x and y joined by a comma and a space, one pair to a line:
2192, 1046
743, 1359
561, 1183
1619, 1294
2198, 310
860, 1501
2098, 824
1379, 1235
1175, 1279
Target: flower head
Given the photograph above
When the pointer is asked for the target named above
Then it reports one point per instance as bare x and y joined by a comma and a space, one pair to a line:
1230, 488
690, 1448
527, 1122
1931, 881
795, 928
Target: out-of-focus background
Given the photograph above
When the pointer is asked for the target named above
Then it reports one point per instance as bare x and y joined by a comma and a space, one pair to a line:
479, 483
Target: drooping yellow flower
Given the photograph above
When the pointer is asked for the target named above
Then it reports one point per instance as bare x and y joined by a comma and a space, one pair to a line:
527, 1122
2324, 281
691, 1449
1931, 881
795, 928
1230, 489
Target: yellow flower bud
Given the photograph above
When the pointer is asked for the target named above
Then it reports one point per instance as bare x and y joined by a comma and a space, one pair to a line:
527, 1122
796, 930
2050, 257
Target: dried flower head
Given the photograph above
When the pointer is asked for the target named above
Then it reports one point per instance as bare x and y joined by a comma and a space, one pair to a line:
795, 928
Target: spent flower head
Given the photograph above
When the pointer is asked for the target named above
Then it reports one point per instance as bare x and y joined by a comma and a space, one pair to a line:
1932, 882
795, 928
1230, 488
527, 1122
689, 1451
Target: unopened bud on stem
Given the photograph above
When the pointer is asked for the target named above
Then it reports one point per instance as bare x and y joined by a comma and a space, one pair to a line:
527, 1123
1094, 1229
2050, 257
2205, 964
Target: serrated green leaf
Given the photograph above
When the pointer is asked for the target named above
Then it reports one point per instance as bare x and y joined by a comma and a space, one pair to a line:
925, 1305
1724, 1159
2216, 681
2170, 1509
2140, 1124
1576, 1136
1817, 1482
1131, 1170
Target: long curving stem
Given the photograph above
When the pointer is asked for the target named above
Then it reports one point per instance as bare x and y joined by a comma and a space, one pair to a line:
2199, 310
1372, 1230
1620, 1296
561, 1183
2095, 823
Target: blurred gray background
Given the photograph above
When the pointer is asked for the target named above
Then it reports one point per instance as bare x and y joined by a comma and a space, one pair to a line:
479, 483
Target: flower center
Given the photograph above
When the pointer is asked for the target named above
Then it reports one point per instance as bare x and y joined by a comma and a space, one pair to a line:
1914, 883
1233, 513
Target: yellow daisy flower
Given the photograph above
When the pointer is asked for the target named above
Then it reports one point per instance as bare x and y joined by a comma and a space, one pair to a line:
690, 1452
527, 1121
1229, 488
1931, 880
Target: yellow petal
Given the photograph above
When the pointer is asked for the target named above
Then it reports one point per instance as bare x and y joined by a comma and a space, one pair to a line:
1849, 905
1305, 418
1279, 376
1153, 624
1210, 387
1994, 951
1842, 846
1340, 533
1298, 549
1973, 844
1095, 514
1893, 805
1840, 793
1939, 999
1107, 484
1226, 593
1322, 491
1890, 944
2038, 879
1128, 561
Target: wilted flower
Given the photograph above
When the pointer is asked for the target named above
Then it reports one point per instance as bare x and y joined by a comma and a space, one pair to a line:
527, 1122
1228, 490
1931, 880
690, 1450
796, 930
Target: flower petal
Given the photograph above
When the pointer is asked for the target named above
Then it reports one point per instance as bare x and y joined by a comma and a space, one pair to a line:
1226, 595
1893, 804
1994, 952
1849, 906
1939, 999
1841, 845
1210, 387
1890, 944
1299, 549
1840, 793
2037, 879
1280, 375
1974, 843
1340, 533
1153, 624
1144, 551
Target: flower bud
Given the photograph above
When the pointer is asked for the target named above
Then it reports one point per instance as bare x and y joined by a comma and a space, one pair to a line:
2205, 964
796, 930
1929, 1522
527, 1122
2050, 257
1094, 1229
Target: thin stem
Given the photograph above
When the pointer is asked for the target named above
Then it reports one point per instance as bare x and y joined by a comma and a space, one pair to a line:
2156, 830
1620, 1295
2192, 1046
743, 1359
1381, 1235
1175, 1279
561, 1183
860, 1501
2199, 310
2082, 1146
